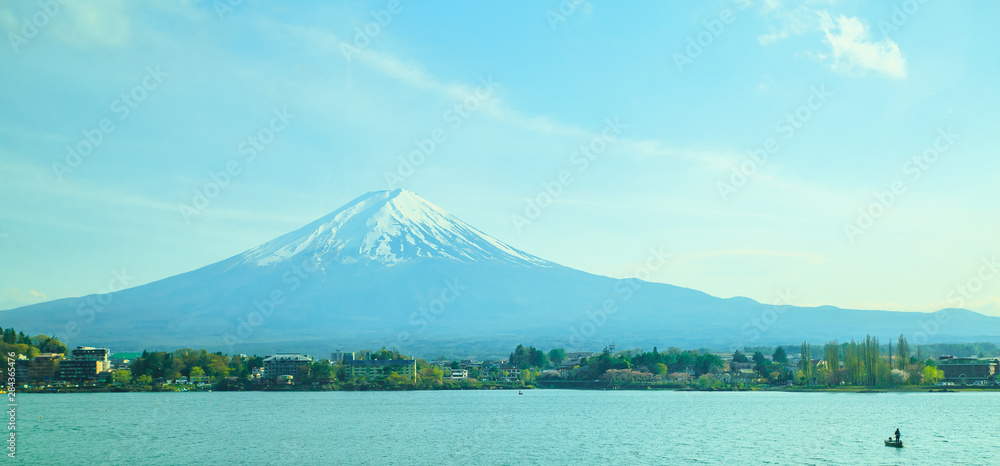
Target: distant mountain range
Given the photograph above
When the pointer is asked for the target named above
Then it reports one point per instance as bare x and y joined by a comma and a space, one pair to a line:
392, 269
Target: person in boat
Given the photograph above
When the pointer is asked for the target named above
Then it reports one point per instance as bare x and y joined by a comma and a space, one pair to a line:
897, 434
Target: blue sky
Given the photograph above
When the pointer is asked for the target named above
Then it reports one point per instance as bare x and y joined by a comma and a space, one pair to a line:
667, 99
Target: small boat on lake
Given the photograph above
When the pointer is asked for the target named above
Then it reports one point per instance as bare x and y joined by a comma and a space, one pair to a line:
894, 443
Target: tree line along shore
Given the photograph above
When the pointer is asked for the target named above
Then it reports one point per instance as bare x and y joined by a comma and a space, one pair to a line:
46, 365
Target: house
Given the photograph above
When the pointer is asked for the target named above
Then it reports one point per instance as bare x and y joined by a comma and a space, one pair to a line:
89, 353
77, 371
503, 373
85, 363
378, 368
21, 367
456, 374
469, 364
741, 377
284, 364
570, 363
968, 370
42, 368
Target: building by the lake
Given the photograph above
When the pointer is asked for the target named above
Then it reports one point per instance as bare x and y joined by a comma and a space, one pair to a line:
378, 368
42, 368
85, 363
969, 370
284, 364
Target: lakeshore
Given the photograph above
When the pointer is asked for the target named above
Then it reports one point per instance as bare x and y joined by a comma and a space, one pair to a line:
580, 385
42, 364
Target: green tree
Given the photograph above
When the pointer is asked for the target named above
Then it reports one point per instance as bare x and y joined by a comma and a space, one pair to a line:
707, 382
321, 371
520, 358
122, 377
433, 373
219, 367
805, 365
538, 358
872, 356
685, 358
932, 374
557, 356
779, 356
238, 367
831, 354
903, 353
384, 354
854, 366
197, 372
144, 380
707, 363
527, 357
47, 344
305, 374
739, 357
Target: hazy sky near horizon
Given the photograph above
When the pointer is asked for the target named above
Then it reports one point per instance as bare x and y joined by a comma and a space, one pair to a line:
742, 137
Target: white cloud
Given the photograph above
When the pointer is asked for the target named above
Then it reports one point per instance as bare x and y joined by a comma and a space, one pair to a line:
854, 51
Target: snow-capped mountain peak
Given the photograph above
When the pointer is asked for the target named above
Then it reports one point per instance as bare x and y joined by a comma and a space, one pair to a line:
388, 227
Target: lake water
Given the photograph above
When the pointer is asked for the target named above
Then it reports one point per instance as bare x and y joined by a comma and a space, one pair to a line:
501, 427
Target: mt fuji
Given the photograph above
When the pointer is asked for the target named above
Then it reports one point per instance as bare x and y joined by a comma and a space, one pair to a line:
391, 269
388, 228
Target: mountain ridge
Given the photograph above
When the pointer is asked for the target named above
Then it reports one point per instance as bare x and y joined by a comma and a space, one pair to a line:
389, 268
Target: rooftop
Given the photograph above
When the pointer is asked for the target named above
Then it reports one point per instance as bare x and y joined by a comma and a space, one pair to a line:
380, 362
954, 360
287, 357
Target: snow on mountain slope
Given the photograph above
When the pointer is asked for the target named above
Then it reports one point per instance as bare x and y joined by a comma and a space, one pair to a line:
391, 264
388, 227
